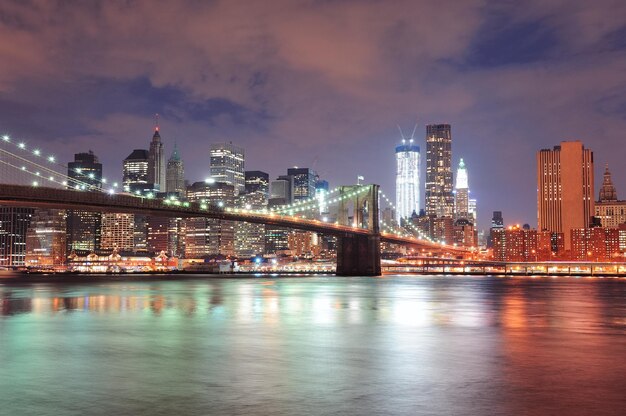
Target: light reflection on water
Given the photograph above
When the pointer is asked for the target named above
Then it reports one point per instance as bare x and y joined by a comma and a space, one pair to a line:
318, 345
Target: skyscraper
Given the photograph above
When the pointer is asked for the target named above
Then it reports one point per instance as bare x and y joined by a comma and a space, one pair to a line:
462, 193
565, 196
207, 236
439, 196
175, 175
607, 191
304, 180
46, 238
257, 181
227, 165
407, 179
136, 172
84, 227
156, 162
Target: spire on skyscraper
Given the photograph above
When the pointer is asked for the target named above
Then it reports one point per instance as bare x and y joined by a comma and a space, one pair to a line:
607, 191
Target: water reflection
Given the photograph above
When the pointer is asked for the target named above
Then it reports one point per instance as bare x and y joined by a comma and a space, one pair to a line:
324, 345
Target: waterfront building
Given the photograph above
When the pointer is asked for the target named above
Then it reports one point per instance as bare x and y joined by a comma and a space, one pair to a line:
175, 173
515, 244
46, 238
156, 162
227, 164
205, 237
565, 188
595, 244
158, 233
14, 223
304, 180
610, 210
465, 233
118, 232
407, 179
439, 196
249, 237
84, 227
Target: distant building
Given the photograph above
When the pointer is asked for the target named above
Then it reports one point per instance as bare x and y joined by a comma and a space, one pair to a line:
14, 223
407, 179
135, 175
249, 237
514, 244
46, 239
610, 210
595, 244
257, 181
175, 173
282, 189
227, 163
156, 162
118, 232
565, 188
439, 196
304, 180
465, 233
461, 197
84, 227
205, 237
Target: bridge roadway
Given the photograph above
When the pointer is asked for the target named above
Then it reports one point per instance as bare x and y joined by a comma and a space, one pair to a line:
43, 197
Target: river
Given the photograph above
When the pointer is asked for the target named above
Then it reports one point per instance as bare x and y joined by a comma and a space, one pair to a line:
313, 345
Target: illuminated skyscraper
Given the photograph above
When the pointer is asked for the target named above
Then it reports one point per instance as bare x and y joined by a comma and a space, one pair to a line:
175, 175
565, 197
14, 223
304, 180
84, 227
136, 171
439, 196
156, 162
462, 193
227, 165
407, 178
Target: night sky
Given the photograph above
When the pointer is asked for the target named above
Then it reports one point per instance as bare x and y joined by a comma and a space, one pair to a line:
322, 84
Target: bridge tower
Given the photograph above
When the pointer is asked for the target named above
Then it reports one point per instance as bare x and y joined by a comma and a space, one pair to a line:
359, 255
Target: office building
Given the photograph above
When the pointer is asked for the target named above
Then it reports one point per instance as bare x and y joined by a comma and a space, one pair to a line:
135, 172
227, 163
304, 180
439, 196
46, 239
175, 173
14, 223
565, 196
249, 237
257, 181
206, 237
407, 179
84, 227
118, 232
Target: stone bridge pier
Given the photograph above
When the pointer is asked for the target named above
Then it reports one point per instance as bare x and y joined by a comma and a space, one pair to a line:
359, 255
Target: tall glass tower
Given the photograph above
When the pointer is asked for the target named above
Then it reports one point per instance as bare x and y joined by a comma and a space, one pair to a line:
227, 165
462, 193
407, 179
439, 196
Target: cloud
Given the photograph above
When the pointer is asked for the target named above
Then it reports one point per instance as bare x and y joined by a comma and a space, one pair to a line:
321, 82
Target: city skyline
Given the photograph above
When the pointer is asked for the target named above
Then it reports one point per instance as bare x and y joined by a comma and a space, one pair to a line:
337, 114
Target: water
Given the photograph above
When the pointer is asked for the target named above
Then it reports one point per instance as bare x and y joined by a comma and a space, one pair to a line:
401, 345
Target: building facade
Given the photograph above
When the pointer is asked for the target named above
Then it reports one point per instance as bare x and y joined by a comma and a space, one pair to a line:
14, 223
156, 162
175, 173
84, 227
304, 180
439, 196
46, 239
461, 195
565, 196
610, 210
227, 165
407, 180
